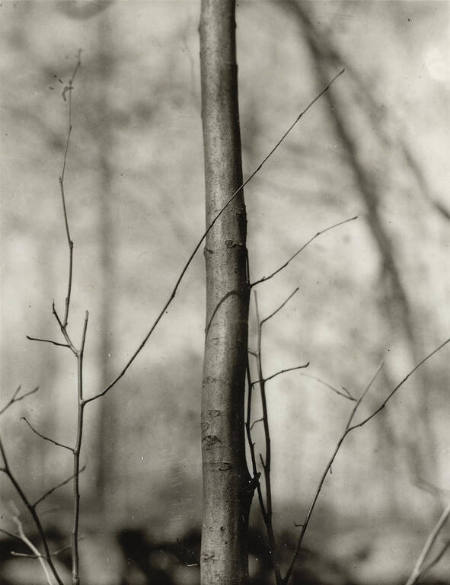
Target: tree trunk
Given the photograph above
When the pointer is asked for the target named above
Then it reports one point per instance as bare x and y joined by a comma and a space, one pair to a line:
226, 486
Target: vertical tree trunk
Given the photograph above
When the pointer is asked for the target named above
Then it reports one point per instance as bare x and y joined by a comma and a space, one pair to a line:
226, 491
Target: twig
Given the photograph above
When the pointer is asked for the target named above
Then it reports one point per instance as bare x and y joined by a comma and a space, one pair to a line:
436, 559
45, 438
348, 429
68, 90
35, 551
178, 281
46, 341
316, 235
31, 510
400, 384
324, 475
251, 444
15, 398
278, 309
56, 487
418, 569
266, 462
346, 394
281, 372
76, 456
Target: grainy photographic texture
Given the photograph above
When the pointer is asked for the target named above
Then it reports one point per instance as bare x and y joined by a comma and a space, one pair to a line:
225, 233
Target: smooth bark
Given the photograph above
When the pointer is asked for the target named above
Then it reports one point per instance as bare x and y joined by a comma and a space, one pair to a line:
226, 486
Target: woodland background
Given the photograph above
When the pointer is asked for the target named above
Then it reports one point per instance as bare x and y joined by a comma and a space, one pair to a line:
376, 288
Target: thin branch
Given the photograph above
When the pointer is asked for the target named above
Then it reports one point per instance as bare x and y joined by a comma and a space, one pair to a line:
436, 559
281, 372
266, 463
251, 444
68, 90
255, 422
178, 281
76, 456
316, 235
63, 328
45, 438
346, 394
56, 487
10, 534
324, 476
47, 341
348, 429
37, 522
15, 398
431, 539
278, 309
400, 384
35, 551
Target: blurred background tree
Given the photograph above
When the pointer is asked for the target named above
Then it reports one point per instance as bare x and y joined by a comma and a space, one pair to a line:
375, 146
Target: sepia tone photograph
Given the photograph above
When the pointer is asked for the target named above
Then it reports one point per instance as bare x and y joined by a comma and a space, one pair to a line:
225, 284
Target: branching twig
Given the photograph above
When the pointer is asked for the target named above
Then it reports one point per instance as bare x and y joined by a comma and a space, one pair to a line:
420, 568
56, 487
6, 469
45, 438
34, 550
348, 429
346, 394
16, 398
308, 516
281, 372
178, 281
316, 235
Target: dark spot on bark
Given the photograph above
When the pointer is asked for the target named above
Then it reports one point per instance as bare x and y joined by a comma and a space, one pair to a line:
214, 412
210, 441
225, 466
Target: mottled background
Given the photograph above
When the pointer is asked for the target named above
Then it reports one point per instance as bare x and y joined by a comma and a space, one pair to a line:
376, 146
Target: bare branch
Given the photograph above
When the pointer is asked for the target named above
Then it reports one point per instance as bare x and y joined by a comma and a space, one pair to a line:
281, 372
56, 487
15, 398
267, 461
47, 341
255, 422
346, 394
400, 384
324, 476
436, 559
37, 522
278, 309
348, 429
68, 90
431, 539
45, 438
283, 266
34, 550
178, 281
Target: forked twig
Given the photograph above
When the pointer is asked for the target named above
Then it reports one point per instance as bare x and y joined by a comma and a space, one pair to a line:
6, 469
16, 398
348, 429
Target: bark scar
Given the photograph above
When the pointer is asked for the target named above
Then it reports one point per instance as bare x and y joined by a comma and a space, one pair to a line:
210, 441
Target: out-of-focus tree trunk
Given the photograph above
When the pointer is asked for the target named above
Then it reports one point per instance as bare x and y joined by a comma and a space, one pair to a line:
397, 302
226, 491
106, 409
